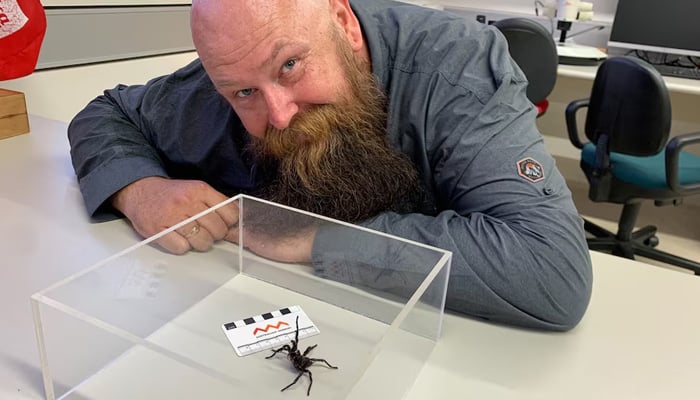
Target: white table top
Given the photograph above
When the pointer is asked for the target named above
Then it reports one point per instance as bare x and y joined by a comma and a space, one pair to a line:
638, 340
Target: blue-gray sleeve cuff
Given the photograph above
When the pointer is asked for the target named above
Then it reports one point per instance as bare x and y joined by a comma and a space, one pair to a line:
98, 186
370, 261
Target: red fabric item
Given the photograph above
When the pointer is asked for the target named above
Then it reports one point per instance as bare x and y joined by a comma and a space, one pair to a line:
22, 29
542, 107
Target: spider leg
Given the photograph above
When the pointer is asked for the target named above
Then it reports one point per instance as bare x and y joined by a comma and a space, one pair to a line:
296, 334
275, 351
323, 361
308, 349
293, 382
311, 381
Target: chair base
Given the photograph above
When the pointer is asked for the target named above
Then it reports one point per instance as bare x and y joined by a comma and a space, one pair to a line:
640, 242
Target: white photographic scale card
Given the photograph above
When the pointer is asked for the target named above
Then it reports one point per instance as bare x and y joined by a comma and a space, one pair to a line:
270, 330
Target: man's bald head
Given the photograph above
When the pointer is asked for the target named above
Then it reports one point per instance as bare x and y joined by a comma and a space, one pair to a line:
244, 22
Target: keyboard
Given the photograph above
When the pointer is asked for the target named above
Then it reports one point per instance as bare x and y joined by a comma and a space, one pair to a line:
678, 72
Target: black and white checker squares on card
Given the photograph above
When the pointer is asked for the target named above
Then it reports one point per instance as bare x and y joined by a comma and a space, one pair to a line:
265, 331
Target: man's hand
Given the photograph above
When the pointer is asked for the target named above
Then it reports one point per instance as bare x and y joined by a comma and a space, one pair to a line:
294, 248
153, 204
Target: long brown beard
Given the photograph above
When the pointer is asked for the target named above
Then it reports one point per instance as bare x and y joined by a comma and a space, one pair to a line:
334, 159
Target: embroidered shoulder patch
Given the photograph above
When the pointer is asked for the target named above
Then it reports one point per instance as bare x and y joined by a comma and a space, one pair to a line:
530, 169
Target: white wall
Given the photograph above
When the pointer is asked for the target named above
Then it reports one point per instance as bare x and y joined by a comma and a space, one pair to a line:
61, 93
603, 9
50, 3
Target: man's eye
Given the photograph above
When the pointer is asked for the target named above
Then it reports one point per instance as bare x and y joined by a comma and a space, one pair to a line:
244, 93
289, 65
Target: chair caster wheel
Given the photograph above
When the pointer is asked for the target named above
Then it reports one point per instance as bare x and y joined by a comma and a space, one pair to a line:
652, 241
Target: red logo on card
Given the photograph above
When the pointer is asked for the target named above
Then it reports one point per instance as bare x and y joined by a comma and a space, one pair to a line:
269, 326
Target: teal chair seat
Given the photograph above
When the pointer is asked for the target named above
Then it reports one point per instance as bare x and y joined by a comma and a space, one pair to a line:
629, 156
649, 171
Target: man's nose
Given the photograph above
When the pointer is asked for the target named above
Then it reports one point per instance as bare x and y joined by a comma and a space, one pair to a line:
281, 107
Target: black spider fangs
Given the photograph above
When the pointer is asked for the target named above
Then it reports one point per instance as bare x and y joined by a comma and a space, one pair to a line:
299, 360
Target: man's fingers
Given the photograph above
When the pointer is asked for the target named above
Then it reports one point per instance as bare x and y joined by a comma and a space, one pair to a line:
232, 235
191, 236
174, 243
218, 222
214, 224
229, 213
202, 241
190, 230
141, 203
197, 235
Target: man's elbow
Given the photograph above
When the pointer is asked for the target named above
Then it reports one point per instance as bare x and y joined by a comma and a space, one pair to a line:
552, 296
566, 293
553, 293
572, 313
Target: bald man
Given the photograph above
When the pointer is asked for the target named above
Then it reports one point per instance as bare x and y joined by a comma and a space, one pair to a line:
398, 118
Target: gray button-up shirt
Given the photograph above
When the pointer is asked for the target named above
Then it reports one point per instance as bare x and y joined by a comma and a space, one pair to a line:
457, 108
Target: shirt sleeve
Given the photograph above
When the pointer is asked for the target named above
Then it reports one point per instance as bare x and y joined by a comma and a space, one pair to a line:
169, 127
109, 148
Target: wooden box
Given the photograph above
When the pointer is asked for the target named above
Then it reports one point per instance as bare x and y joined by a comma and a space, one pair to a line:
13, 114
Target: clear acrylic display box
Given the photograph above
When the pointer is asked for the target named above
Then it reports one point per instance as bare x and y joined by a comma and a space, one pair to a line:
146, 324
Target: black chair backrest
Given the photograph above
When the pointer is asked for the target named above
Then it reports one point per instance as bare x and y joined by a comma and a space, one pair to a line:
630, 104
533, 49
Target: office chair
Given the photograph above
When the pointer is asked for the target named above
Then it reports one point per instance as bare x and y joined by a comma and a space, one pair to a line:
629, 158
533, 49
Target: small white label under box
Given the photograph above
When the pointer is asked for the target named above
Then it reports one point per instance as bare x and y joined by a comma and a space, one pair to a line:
269, 330
142, 281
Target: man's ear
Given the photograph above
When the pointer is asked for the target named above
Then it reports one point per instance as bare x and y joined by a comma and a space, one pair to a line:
346, 19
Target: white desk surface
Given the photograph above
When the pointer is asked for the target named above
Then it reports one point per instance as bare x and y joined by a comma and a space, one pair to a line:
640, 338
679, 85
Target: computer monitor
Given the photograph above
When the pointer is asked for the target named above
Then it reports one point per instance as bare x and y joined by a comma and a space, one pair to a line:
664, 26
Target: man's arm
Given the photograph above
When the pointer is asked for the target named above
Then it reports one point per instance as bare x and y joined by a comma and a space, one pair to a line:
129, 145
519, 253
459, 110
109, 146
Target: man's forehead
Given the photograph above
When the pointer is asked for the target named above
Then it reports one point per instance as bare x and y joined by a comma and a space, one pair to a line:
256, 11
261, 57
233, 28
255, 20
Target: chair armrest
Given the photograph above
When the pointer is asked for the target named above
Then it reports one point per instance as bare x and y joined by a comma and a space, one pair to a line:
571, 125
673, 153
